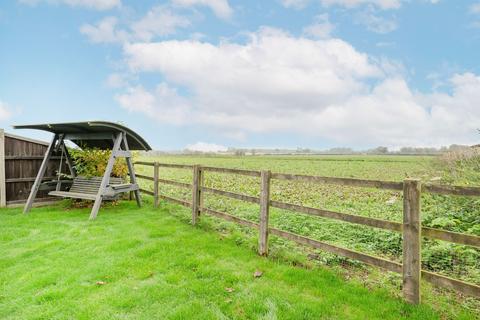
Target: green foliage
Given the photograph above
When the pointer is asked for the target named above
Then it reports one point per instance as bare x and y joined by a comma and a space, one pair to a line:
92, 162
461, 166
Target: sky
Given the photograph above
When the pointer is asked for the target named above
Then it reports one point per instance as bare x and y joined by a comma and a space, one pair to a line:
211, 74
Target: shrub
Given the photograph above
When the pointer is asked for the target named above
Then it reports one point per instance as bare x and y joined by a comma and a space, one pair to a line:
461, 165
92, 162
462, 156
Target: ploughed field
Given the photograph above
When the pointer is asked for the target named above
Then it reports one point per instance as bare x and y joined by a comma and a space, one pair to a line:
459, 214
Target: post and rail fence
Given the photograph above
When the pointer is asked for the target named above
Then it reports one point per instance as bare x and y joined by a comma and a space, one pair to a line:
411, 228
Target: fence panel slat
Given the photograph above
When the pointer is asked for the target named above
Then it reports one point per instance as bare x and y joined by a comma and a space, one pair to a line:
144, 163
460, 238
230, 217
392, 185
368, 259
452, 190
372, 222
146, 191
141, 176
264, 213
3, 186
411, 241
446, 282
175, 200
155, 185
175, 183
197, 172
252, 173
232, 195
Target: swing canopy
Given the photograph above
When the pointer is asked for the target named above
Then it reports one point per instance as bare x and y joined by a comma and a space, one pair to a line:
81, 133
91, 134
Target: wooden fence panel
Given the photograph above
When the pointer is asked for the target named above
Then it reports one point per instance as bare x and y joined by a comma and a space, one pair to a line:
3, 191
155, 184
20, 160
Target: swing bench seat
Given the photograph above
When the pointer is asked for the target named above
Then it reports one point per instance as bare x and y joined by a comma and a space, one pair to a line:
87, 188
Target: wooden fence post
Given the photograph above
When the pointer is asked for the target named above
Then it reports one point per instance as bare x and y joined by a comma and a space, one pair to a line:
264, 212
196, 193
3, 184
155, 185
411, 240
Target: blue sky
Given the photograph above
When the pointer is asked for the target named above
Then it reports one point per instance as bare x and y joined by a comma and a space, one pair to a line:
212, 73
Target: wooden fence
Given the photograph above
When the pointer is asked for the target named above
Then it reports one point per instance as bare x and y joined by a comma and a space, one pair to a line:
20, 160
411, 227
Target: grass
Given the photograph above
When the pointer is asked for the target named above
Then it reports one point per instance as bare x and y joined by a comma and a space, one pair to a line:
149, 264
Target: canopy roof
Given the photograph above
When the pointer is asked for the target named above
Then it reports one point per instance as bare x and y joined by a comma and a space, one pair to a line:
99, 128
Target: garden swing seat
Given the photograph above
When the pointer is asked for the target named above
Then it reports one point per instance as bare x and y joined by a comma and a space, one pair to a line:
86, 188
92, 134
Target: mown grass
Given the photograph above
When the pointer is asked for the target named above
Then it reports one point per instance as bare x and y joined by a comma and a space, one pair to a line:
149, 264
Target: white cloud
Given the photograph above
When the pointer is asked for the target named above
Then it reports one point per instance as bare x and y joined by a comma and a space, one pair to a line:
384, 44
206, 147
376, 23
91, 4
5, 112
159, 21
277, 83
272, 64
321, 28
296, 4
118, 80
221, 8
163, 104
104, 31
382, 4
475, 8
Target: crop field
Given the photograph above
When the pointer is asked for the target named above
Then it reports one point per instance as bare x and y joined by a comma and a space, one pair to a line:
459, 214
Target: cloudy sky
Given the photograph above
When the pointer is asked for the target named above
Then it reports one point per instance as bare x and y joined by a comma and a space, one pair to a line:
279, 73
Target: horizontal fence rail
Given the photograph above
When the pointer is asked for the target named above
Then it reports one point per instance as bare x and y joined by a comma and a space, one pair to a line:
379, 262
410, 228
232, 195
341, 181
372, 222
251, 173
452, 190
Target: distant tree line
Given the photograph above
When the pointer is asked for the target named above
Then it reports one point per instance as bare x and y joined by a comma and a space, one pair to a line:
381, 150
345, 151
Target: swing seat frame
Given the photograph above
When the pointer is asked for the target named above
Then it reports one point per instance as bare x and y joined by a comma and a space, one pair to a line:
96, 134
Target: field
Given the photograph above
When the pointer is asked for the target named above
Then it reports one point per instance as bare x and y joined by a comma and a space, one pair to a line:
458, 214
149, 264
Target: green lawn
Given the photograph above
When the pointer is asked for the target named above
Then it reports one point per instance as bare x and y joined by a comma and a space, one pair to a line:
149, 264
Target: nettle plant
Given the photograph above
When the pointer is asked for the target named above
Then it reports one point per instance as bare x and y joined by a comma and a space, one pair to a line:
91, 162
